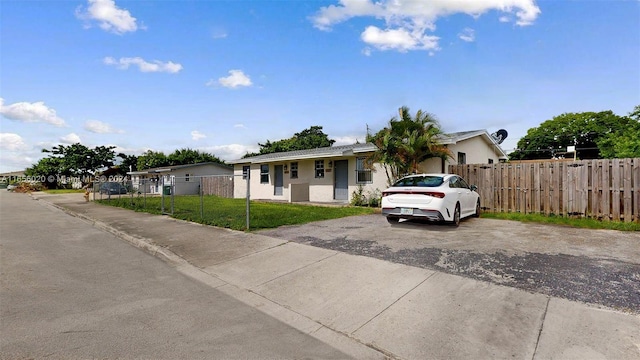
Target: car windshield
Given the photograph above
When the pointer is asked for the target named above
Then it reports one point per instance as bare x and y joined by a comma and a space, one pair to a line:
423, 181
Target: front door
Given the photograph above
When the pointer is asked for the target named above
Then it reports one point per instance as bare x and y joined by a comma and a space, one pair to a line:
278, 181
341, 190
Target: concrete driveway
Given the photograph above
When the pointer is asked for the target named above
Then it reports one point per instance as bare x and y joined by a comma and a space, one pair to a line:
594, 266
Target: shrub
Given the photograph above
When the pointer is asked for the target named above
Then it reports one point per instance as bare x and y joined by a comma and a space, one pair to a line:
358, 198
374, 198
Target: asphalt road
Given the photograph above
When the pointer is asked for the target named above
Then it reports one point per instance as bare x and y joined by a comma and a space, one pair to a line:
600, 267
71, 291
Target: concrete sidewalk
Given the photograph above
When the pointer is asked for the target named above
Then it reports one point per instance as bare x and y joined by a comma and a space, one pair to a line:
370, 308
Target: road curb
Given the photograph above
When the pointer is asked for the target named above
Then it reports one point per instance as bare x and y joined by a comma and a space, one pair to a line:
138, 242
339, 340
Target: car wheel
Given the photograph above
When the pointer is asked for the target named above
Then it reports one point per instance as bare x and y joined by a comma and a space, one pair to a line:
477, 213
456, 216
392, 219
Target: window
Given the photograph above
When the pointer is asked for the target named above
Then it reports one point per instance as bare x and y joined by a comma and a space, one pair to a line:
462, 158
186, 177
462, 184
319, 168
264, 174
363, 175
490, 161
420, 180
454, 183
245, 171
294, 170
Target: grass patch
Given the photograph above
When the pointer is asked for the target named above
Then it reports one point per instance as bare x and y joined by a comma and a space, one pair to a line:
63, 191
230, 213
566, 221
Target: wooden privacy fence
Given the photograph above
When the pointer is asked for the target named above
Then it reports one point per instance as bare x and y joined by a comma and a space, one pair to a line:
603, 189
218, 185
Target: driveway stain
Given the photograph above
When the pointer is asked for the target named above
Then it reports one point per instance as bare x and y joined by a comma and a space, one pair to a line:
611, 283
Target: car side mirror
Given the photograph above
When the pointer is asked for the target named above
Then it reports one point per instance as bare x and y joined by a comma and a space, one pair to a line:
473, 188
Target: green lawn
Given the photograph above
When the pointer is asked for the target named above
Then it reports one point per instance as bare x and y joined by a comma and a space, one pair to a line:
567, 221
63, 191
231, 213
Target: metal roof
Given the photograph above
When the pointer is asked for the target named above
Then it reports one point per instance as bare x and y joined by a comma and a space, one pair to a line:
330, 151
166, 169
346, 150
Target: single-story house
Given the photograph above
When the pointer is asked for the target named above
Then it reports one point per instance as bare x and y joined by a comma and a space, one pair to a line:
332, 174
184, 179
12, 176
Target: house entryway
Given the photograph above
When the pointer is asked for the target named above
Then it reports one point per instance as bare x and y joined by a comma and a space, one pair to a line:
341, 188
278, 180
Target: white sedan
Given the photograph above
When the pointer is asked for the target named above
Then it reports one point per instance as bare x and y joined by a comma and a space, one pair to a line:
434, 197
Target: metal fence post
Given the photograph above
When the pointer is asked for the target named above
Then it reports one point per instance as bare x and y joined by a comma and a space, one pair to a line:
144, 192
162, 196
248, 197
173, 190
201, 199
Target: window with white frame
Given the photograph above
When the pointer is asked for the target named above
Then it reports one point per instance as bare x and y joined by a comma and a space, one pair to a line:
319, 168
363, 175
294, 170
264, 174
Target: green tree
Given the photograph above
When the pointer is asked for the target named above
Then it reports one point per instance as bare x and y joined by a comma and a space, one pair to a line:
127, 163
190, 156
407, 142
310, 138
152, 159
47, 169
624, 143
75, 160
586, 131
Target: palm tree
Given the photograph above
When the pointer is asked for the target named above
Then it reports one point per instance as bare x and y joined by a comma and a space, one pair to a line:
406, 143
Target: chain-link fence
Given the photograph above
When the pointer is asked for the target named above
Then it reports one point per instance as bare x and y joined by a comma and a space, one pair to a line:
205, 199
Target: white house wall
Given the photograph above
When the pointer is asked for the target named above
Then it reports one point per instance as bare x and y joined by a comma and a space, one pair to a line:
192, 185
477, 151
320, 189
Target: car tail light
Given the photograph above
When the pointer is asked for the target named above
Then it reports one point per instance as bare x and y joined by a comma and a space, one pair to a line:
435, 194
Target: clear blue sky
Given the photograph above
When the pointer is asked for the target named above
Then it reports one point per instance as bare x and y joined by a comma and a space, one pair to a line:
222, 76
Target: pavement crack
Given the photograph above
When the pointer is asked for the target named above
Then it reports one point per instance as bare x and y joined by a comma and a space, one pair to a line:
544, 317
393, 303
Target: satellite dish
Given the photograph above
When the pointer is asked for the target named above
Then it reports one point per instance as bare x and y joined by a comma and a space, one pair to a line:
500, 135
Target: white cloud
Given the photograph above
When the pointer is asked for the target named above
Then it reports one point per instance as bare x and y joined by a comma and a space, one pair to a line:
31, 113
109, 16
407, 22
143, 65
100, 127
219, 34
12, 142
398, 39
239, 126
197, 135
16, 161
230, 152
348, 140
468, 35
70, 139
236, 78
